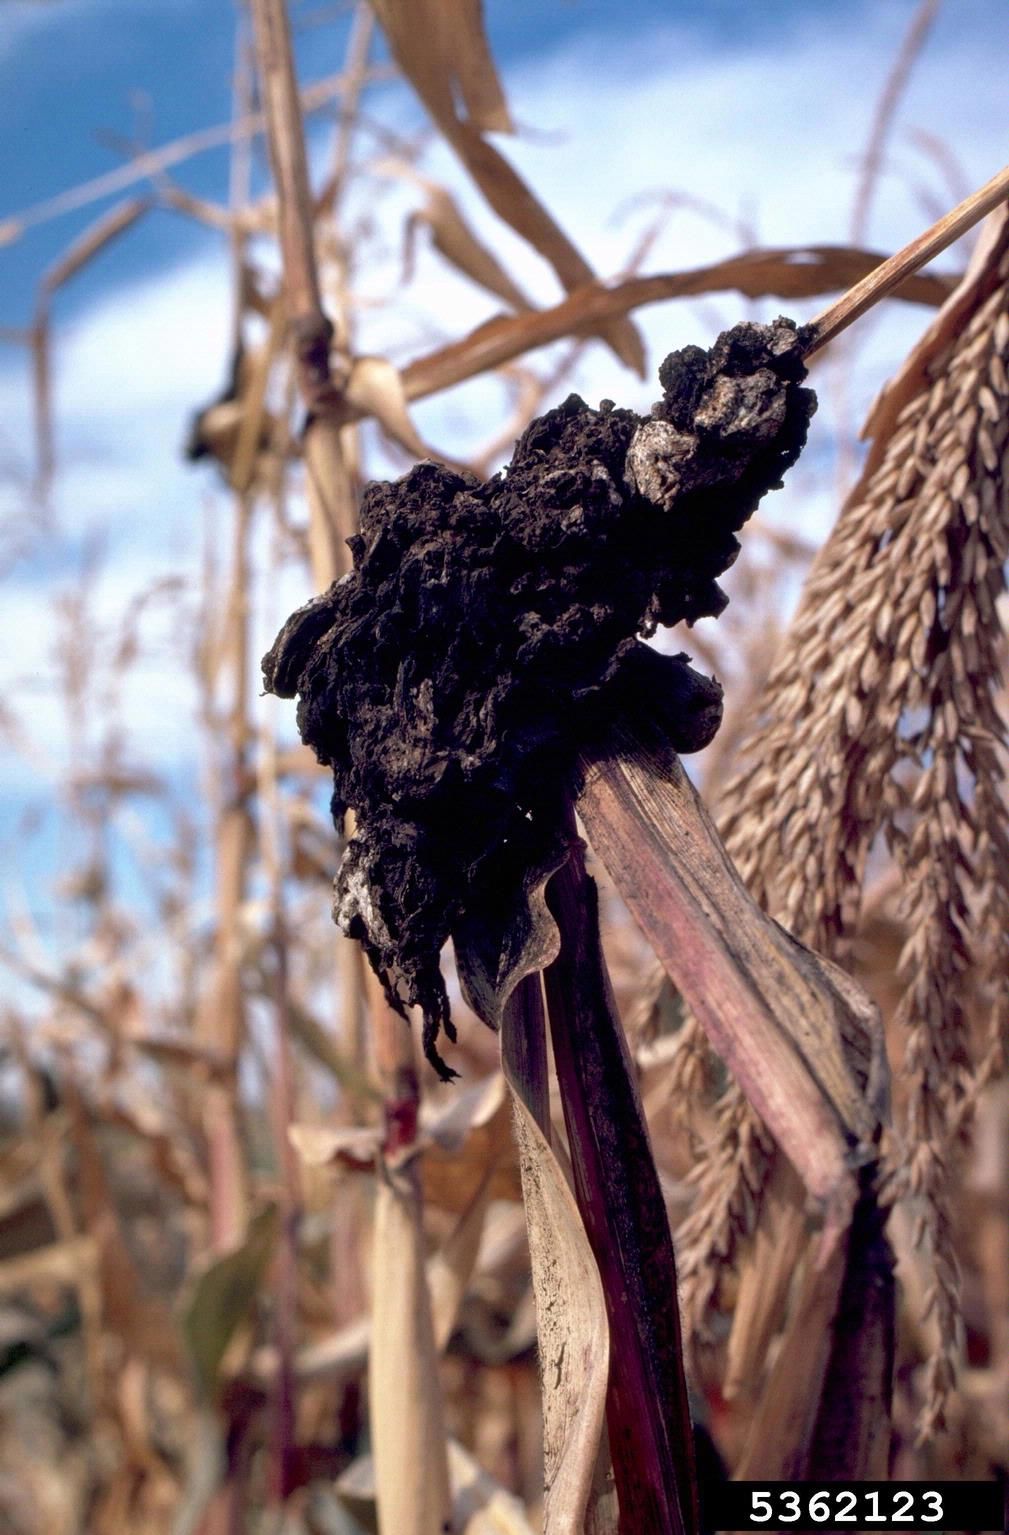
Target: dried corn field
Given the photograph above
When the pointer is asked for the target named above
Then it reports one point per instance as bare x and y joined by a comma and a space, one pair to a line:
289, 1237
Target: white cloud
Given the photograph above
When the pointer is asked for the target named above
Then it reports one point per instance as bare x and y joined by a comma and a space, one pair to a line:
147, 345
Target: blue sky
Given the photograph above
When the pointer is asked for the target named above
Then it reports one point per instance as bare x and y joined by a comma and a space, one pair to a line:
78, 77
73, 72
761, 109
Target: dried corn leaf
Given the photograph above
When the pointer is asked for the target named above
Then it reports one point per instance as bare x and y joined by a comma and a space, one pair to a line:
442, 50
442, 47
211, 214
452, 236
766, 1276
480, 1506
793, 272
473, 66
353, 1146
141, 1321
468, 1145
450, 1269
99, 234
173, 1159
825, 1415
374, 388
571, 1328
783, 1428
459, 1148
514, 201
782, 1019
339, 1357
774, 1011
453, 1125
56, 1263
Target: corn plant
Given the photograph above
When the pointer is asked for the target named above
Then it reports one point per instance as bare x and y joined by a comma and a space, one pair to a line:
660, 1211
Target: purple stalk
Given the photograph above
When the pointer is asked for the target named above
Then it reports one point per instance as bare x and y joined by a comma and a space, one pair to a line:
621, 1204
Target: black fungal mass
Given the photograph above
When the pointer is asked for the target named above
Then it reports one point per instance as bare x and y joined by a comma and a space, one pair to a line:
488, 630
